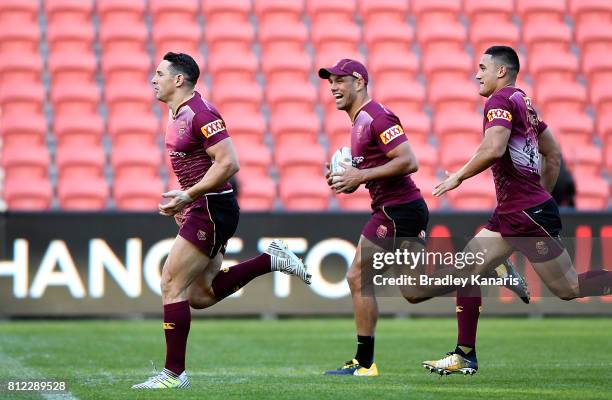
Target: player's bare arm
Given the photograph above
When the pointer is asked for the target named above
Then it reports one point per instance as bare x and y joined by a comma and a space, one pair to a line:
402, 162
551, 162
224, 167
491, 148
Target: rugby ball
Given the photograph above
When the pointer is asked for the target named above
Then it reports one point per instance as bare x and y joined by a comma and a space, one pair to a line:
343, 155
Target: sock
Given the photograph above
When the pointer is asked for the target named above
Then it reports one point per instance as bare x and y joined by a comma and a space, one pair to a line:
229, 280
595, 283
365, 351
177, 320
468, 303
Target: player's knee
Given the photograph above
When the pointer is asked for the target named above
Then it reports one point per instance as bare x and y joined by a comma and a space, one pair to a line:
353, 277
201, 300
566, 294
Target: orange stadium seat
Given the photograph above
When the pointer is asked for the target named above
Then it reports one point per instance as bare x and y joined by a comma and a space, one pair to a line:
427, 156
441, 37
598, 69
485, 35
174, 12
123, 38
278, 11
225, 67
571, 128
426, 183
237, 39
296, 129
383, 11
245, 127
126, 68
417, 125
330, 11
449, 66
340, 37
594, 38
25, 162
281, 37
78, 98
585, 160
229, 98
90, 193
389, 37
184, 38
301, 98
19, 37
286, 66
608, 155
81, 129
133, 129
23, 98
454, 128
450, 97
136, 100
476, 193
436, 11
70, 38
546, 38
67, 68
561, 97
20, 132
68, 11
226, 10
254, 158
454, 154
18, 11
172, 183
28, 194
337, 128
142, 194
542, 11
592, 193
78, 161
590, 11
604, 129
20, 67
257, 192
552, 67
398, 95
360, 200
135, 162
487, 12
393, 66
294, 162
120, 11
309, 193
601, 98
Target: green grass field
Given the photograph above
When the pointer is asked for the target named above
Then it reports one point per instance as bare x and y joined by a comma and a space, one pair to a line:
252, 359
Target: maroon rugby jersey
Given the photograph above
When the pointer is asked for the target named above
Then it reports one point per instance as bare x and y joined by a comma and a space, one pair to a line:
517, 172
196, 126
376, 131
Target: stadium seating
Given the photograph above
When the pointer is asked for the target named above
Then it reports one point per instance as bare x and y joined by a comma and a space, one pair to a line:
123, 38
294, 164
426, 184
547, 38
306, 194
571, 128
257, 192
300, 99
28, 194
296, 129
592, 193
20, 67
552, 67
90, 193
585, 160
225, 67
279, 37
392, 66
142, 194
542, 11
121, 12
23, 98
18, 11
360, 200
233, 99
435, 11
226, 11
245, 128
476, 193
80, 162
441, 37
254, 158
75, 99
133, 129
448, 66
121, 68
136, 100
485, 35
19, 37
183, 37
590, 11
237, 39
417, 125
67, 12
286, 66
487, 12
175, 12
68, 68
562, 97
330, 11
453, 97
135, 162
383, 11
401, 95
389, 37
23, 132
27, 162
83, 129
73, 38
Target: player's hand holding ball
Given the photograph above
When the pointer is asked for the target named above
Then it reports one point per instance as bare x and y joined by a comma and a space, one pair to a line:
178, 200
342, 176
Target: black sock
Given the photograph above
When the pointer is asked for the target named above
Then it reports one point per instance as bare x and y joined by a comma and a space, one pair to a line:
466, 351
365, 351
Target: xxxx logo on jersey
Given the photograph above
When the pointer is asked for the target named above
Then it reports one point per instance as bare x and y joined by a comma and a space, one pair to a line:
391, 133
498, 113
213, 128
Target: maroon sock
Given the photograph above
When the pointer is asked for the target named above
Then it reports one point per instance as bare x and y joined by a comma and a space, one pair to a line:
177, 320
229, 280
595, 283
468, 303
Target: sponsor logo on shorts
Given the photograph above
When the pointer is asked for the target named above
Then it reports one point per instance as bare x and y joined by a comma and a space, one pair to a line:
394, 132
381, 231
201, 235
541, 248
213, 128
168, 325
498, 113
358, 160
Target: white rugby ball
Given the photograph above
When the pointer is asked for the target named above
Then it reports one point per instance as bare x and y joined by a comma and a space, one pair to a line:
343, 155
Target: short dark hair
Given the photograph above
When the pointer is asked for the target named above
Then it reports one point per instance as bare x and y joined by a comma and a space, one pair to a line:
506, 56
183, 64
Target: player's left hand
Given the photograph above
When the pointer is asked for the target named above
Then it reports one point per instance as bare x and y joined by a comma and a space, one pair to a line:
451, 182
178, 200
347, 181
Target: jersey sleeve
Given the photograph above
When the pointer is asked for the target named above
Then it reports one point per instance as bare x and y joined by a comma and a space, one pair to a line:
498, 112
387, 131
210, 128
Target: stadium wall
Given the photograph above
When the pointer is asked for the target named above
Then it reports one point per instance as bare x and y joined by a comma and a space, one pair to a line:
92, 264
